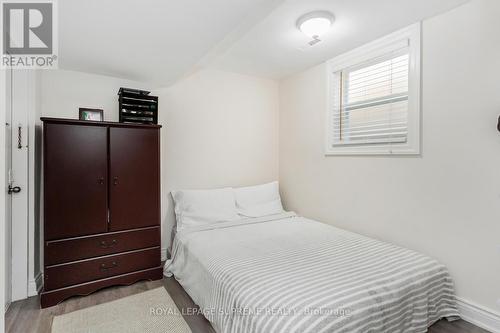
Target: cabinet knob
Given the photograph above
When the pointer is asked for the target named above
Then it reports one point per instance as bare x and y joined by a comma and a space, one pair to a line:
105, 245
105, 267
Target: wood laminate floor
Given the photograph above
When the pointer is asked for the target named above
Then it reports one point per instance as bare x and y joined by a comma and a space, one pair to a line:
26, 316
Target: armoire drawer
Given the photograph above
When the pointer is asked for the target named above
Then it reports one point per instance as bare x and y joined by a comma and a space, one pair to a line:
64, 275
63, 251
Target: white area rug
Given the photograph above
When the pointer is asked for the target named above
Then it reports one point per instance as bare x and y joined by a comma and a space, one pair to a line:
152, 311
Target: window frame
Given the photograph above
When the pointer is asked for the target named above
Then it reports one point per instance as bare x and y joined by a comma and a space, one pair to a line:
411, 37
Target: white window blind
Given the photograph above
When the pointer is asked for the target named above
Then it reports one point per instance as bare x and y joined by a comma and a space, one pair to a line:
372, 102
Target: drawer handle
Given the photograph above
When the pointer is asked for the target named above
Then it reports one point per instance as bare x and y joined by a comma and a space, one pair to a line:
104, 268
105, 245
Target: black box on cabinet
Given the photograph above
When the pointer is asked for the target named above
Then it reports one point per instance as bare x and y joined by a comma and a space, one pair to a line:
137, 106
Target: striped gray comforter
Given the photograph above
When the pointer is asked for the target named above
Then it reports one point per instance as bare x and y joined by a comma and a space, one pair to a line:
290, 274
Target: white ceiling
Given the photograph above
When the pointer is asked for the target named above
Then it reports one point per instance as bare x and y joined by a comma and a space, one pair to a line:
155, 41
160, 41
275, 48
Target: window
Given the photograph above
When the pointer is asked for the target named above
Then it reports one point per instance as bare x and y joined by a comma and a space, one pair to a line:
374, 97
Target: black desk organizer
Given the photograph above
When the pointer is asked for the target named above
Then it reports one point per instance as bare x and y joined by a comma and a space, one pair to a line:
137, 106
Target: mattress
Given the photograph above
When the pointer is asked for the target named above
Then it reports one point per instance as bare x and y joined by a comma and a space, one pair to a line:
286, 273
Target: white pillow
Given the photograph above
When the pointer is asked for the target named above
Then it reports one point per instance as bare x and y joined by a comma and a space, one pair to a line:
202, 207
260, 200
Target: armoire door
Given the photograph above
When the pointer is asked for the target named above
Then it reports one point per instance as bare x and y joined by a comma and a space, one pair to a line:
134, 178
75, 182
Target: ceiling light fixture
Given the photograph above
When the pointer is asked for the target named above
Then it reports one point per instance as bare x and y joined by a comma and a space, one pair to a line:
315, 24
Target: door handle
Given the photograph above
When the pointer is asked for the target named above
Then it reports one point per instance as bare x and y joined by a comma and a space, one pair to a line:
115, 180
100, 180
13, 189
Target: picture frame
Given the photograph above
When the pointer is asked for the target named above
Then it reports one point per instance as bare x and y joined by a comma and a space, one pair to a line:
90, 114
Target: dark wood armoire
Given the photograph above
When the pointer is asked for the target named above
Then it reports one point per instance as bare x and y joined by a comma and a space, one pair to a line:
101, 190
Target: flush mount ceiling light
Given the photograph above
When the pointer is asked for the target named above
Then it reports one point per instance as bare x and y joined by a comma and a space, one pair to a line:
315, 24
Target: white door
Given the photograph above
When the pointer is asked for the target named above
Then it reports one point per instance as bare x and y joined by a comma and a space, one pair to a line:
17, 180
8, 198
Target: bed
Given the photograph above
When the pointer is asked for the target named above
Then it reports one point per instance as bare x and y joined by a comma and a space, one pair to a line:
286, 273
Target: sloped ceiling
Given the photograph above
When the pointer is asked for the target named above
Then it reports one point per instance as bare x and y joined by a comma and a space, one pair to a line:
276, 48
155, 41
160, 41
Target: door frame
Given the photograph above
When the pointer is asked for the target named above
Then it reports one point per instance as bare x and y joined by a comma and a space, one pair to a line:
21, 108
26, 250
3, 193
20, 84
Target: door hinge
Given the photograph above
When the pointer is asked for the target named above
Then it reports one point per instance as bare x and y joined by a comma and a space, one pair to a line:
19, 136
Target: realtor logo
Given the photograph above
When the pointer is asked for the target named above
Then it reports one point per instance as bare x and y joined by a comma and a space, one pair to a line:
29, 34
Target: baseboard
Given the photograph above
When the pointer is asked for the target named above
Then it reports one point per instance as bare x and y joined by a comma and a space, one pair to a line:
35, 285
478, 315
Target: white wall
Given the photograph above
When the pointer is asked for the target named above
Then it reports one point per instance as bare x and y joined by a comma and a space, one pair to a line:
63, 92
220, 129
446, 202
